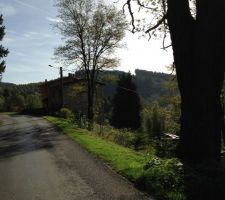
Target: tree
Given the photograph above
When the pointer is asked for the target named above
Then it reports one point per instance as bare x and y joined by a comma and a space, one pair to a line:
198, 41
33, 102
92, 32
3, 52
126, 109
154, 121
2, 103
16, 102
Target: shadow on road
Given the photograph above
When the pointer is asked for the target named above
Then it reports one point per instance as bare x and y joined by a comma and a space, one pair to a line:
23, 137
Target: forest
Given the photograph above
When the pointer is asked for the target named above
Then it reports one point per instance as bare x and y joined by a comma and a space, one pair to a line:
19, 98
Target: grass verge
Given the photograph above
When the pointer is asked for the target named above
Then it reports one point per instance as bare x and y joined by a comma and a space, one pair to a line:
156, 176
8, 113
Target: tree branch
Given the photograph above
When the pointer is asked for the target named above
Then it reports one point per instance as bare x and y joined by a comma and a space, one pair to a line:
128, 3
142, 5
158, 24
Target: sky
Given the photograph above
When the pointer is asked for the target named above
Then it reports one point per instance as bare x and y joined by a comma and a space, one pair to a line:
31, 40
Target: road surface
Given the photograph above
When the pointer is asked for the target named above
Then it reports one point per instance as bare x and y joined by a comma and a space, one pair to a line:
39, 163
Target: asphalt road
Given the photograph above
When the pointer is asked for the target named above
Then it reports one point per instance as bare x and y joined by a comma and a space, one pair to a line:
39, 163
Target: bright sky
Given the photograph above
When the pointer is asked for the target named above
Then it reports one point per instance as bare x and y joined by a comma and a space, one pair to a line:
31, 42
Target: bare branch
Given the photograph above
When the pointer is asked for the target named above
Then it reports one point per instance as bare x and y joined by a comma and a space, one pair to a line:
142, 5
128, 3
158, 24
166, 47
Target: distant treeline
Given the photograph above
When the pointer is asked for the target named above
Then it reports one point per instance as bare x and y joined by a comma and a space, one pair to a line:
150, 85
19, 97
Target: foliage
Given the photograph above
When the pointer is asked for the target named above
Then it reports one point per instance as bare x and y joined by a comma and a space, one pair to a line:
33, 101
18, 100
124, 138
23, 97
165, 178
92, 32
171, 102
2, 103
200, 72
162, 177
126, 104
150, 85
165, 148
154, 121
66, 113
124, 160
3, 52
140, 139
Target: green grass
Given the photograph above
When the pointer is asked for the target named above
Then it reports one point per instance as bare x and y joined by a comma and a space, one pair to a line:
8, 113
162, 178
124, 160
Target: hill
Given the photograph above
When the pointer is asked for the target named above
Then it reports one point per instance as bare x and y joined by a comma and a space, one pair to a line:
20, 89
150, 85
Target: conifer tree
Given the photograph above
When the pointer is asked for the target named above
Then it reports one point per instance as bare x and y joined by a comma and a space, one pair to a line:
126, 110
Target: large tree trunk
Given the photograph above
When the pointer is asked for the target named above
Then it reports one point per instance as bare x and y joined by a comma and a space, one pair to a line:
198, 46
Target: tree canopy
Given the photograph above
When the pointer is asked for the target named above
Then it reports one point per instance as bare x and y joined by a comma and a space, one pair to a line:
92, 32
3, 51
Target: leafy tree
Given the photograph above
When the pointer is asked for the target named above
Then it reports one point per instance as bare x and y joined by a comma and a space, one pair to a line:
92, 32
171, 104
3, 52
16, 102
126, 110
33, 102
198, 41
154, 121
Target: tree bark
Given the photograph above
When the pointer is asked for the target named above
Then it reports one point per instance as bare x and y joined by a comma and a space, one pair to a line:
198, 46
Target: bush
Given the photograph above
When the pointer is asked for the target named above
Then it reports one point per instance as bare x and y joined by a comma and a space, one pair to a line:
165, 148
124, 138
140, 140
164, 178
66, 113
153, 122
83, 122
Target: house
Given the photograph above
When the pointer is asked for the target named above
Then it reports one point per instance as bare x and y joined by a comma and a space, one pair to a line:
72, 94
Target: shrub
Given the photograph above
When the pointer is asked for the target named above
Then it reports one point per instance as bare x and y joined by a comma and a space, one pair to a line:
165, 148
124, 137
140, 139
83, 122
164, 178
153, 121
66, 113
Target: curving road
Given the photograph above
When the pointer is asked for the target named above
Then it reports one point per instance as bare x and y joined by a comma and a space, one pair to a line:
39, 163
